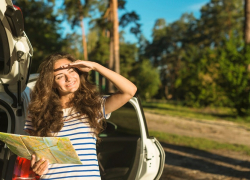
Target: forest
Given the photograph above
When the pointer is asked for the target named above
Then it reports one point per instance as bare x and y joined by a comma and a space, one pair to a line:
201, 62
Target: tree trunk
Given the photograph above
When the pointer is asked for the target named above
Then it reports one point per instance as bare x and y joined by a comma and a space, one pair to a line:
114, 59
247, 22
116, 36
84, 43
111, 63
247, 26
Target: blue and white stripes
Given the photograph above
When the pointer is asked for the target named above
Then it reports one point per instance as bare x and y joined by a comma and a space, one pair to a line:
83, 140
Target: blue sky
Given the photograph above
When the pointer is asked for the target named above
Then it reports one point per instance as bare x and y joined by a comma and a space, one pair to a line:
151, 10
170, 10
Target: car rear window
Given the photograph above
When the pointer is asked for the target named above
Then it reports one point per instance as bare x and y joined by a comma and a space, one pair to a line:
3, 123
126, 121
4, 51
3, 120
1, 54
3, 128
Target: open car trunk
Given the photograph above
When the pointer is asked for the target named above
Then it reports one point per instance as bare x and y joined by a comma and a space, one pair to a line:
119, 157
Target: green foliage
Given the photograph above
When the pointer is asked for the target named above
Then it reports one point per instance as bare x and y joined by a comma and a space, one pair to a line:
220, 19
74, 45
146, 78
128, 54
216, 77
74, 10
42, 28
197, 81
203, 62
234, 75
167, 49
141, 72
129, 18
92, 38
100, 52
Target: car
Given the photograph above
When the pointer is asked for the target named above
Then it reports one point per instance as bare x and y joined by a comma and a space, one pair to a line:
126, 151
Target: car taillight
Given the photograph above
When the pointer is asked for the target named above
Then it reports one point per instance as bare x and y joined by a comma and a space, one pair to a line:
18, 8
22, 170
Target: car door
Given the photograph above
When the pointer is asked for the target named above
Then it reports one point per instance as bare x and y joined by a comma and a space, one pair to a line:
15, 60
126, 151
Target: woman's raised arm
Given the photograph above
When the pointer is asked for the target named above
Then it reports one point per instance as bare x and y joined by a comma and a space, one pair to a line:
126, 89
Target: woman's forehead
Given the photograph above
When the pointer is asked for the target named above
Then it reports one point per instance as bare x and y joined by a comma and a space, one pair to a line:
58, 64
61, 62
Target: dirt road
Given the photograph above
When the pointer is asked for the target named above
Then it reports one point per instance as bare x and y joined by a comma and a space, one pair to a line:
193, 164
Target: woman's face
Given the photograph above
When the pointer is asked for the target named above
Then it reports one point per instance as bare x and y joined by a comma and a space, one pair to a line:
66, 81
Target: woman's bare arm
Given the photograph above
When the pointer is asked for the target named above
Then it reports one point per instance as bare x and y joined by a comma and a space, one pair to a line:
126, 89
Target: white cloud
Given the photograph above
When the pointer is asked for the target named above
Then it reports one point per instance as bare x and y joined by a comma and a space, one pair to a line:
196, 7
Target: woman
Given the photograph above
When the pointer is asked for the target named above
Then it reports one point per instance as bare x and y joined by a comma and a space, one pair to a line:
65, 103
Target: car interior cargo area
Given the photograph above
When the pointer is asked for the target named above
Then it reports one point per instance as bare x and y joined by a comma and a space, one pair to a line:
120, 145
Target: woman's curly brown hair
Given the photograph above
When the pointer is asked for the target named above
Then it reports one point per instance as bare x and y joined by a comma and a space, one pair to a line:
45, 108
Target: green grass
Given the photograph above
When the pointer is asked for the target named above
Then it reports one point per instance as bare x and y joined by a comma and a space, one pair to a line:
198, 143
209, 113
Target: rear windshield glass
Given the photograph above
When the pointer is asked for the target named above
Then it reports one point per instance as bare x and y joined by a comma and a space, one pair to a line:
125, 123
3, 120
4, 51
1, 54
3, 128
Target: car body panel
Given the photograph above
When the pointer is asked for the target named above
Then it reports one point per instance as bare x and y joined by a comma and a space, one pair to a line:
153, 154
19, 67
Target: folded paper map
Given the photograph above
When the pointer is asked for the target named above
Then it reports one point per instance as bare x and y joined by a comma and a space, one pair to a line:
56, 149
